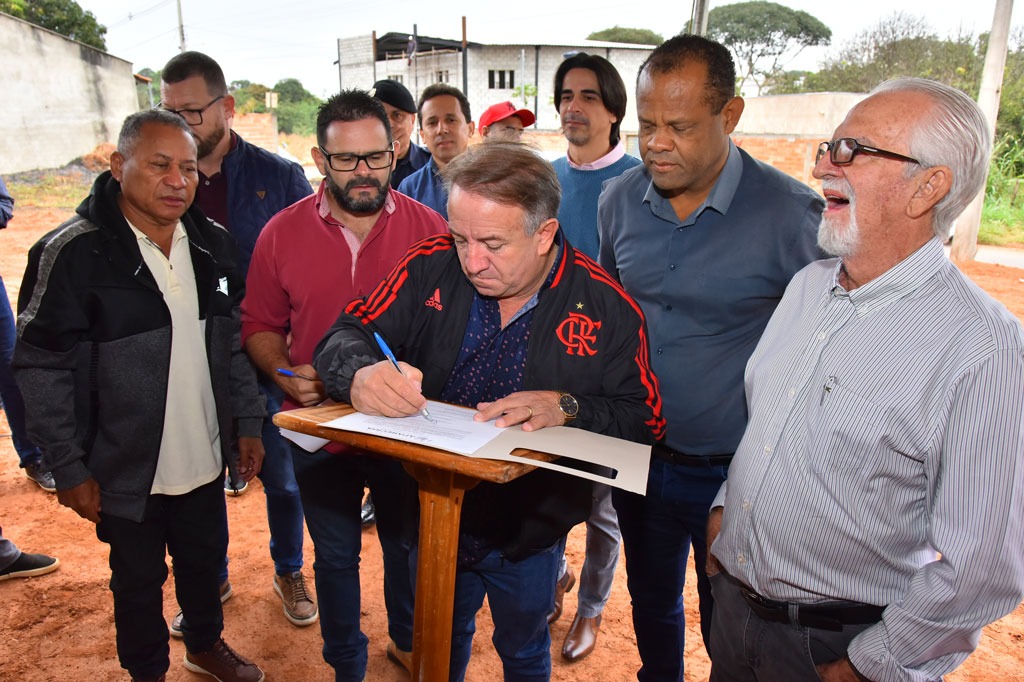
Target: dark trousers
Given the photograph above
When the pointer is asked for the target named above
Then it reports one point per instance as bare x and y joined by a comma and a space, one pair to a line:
745, 648
657, 531
331, 486
190, 528
10, 396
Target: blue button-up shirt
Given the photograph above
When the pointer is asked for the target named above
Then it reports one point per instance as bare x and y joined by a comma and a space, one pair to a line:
708, 284
425, 186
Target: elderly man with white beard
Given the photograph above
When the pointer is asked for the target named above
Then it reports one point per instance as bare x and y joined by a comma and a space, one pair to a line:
872, 524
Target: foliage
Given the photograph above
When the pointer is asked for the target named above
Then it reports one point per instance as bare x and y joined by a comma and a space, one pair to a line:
1011, 101
298, 117
291, 90
622, 34
763, 36
149, 93
249, 98
900, 45
524, 92
65, 17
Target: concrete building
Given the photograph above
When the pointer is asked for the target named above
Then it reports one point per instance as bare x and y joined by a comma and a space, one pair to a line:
486, 73
61, 98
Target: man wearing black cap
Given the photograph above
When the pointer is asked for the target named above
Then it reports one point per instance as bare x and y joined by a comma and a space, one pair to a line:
401, 108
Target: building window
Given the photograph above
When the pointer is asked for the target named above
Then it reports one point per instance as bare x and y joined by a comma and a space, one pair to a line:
441, 76
501, 79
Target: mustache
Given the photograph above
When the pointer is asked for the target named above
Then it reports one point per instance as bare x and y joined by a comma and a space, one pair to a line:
836, 184
363, 182
575, 118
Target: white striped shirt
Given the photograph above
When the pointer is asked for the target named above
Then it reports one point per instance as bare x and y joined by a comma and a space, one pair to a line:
884, 460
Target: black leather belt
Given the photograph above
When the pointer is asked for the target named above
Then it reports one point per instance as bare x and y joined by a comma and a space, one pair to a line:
667, 454
827, 616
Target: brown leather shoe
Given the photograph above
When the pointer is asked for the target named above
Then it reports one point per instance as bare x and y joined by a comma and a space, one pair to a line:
402, 658
581, 638
563, 585
223, 664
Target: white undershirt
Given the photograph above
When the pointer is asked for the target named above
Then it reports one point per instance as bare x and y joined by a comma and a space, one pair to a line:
190, 443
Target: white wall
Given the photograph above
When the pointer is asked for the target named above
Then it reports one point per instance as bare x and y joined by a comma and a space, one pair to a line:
60, 98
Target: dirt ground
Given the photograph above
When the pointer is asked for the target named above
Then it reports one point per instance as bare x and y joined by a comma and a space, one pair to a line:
60, 626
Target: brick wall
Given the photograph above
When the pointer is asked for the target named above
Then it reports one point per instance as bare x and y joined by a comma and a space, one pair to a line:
258, 129
793, 155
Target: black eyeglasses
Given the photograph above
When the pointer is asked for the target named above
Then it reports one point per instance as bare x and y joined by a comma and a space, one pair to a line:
349, 162
193, 117
843, 151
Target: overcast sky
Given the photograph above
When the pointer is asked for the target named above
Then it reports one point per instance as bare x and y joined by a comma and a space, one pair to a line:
267, 40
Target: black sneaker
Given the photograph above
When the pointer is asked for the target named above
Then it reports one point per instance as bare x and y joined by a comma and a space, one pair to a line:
29, 565
43, 478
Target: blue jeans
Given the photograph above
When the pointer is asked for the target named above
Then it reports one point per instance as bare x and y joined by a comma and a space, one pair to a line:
332, 492
520, 595
657, 531
10, 395
284, 504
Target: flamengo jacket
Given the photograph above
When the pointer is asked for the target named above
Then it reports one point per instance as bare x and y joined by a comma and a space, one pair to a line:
259, 185
94, 343
588, 338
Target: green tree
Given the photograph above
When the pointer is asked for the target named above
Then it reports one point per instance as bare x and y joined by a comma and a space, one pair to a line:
297, 117
764, 36
60, 16
250, 98
901, 45
621, 34
291, 90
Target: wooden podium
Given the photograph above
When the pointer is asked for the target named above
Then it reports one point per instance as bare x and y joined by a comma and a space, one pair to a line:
443, 479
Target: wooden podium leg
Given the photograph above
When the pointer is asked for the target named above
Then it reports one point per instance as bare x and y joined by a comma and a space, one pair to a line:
441, 494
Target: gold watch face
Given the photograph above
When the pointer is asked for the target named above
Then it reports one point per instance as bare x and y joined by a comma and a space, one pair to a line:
568, 405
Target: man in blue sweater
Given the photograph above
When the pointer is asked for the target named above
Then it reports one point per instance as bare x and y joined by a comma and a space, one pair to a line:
591, 101
241, 187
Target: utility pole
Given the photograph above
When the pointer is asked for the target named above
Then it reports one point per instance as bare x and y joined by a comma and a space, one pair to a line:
181, 30
699, 19
965, 239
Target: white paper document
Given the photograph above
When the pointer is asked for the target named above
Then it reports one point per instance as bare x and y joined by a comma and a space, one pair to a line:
454, 430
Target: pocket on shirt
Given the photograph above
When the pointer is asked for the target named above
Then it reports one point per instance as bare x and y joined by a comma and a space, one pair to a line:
847, 430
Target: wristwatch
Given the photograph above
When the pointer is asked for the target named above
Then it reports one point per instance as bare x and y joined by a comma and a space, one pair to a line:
569, 407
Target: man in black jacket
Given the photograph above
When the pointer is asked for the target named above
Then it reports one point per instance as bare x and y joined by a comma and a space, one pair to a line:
136, 388
503, 315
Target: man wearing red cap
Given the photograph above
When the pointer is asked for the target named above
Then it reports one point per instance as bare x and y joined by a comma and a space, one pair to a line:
502, 121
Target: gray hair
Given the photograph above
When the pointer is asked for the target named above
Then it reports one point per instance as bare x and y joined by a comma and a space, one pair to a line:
131, 129
953, 133
508, 173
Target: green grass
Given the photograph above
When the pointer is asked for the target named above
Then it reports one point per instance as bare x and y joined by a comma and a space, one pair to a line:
1002, 224
48, 189
1002, 217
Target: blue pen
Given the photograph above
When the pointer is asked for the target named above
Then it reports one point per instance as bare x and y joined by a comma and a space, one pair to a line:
294, 375
391, 357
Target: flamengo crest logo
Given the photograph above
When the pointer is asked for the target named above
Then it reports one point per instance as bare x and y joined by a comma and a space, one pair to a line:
435, 300
579, 333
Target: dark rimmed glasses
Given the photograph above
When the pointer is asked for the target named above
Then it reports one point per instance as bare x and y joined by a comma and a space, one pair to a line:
345, 162
842, 152
193, 117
